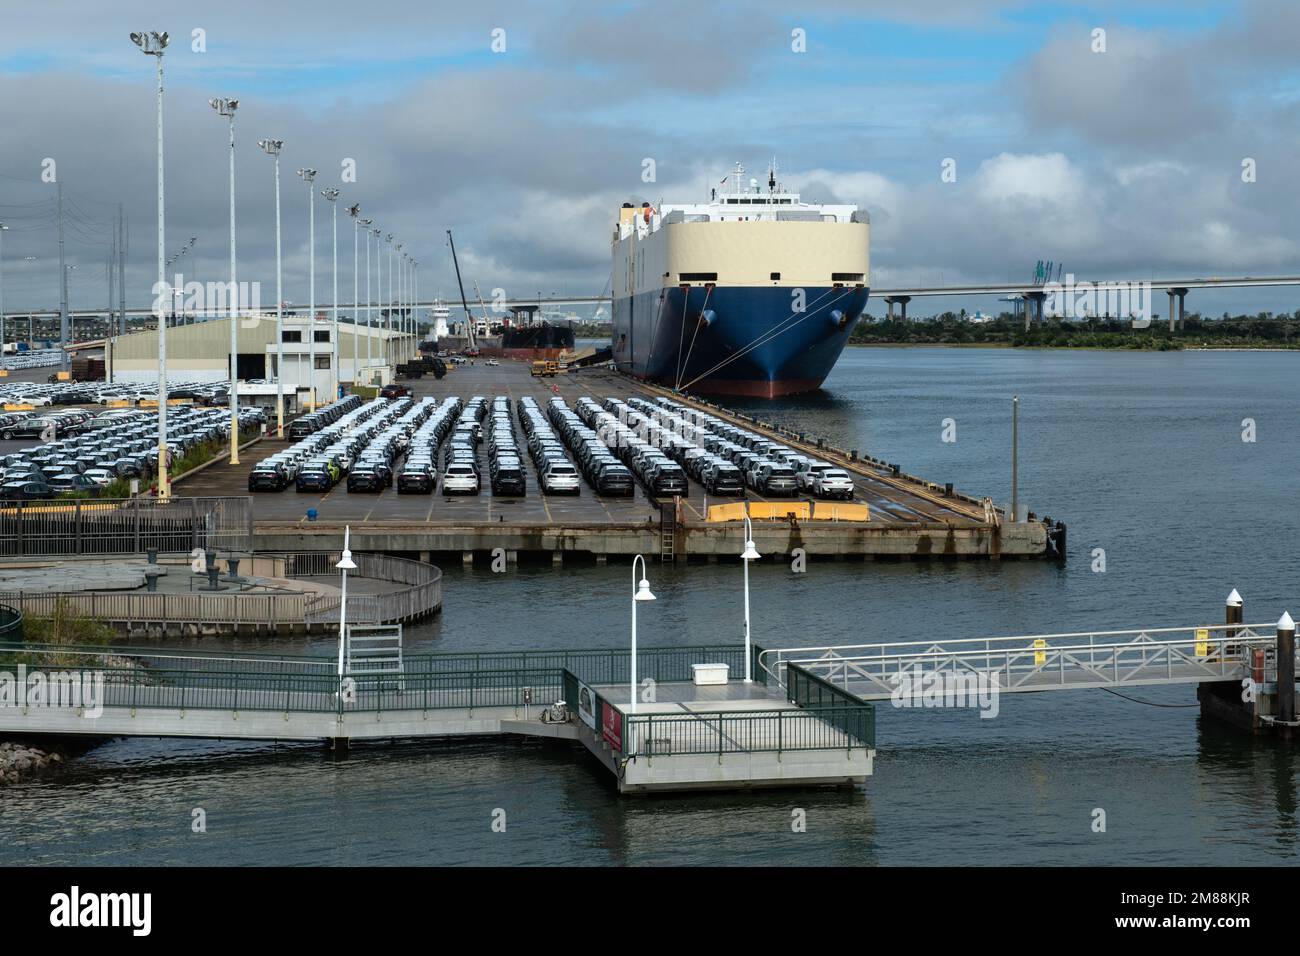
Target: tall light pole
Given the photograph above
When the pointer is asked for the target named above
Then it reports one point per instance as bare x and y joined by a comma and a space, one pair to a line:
389, 239
3, 229
401, 295
227, 107
370, 302
415, 299
272, 148
153, 44
354, 211
749, 554
331, 196
640, 592
309, 177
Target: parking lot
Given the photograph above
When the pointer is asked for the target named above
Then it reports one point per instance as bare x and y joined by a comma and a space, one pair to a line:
890, 503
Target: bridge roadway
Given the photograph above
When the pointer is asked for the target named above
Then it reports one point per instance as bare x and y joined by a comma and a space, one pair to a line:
1005, 288
1036, 663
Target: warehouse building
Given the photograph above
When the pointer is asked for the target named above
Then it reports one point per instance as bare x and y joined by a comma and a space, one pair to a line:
200, 352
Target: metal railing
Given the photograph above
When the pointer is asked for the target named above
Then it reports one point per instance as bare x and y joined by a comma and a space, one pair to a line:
125, 526
1037, 662
420, 596
853, 716
776, 731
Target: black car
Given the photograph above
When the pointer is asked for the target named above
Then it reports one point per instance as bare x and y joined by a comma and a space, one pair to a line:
266, 479
613, 480
25, 491
31, 428
509, 480
71, 481
418, 480
366, 478
314, 478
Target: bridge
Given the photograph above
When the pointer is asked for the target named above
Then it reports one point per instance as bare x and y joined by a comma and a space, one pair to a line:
1039, 662
1175, 287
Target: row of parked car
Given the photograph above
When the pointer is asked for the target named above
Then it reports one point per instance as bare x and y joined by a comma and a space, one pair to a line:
46, 394
767, 467
34, 358
107, 447
556, 474
328, 451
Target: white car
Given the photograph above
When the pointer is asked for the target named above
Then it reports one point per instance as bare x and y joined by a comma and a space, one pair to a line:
833, 483
807, 475
460, 480
560, 478
492, 362
100, 476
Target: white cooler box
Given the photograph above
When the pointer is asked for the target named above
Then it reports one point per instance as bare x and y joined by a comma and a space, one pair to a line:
707, 674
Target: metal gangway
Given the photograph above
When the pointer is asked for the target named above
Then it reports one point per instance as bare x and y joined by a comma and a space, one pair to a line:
1043, 662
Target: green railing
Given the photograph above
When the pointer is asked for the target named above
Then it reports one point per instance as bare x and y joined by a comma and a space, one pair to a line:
830, 728
850, 714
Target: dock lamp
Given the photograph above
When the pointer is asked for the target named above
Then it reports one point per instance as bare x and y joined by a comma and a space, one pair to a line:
309, 177
640, 592
153, 44
345, 565
226, 107
355, 212
331, 196
272, 148
749, 554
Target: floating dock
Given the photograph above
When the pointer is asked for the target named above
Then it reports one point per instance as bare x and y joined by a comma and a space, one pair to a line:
908, 517
680, 736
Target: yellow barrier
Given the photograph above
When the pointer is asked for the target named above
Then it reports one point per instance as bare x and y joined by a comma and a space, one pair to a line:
153, 402
19, 407
731, 512
120, 403
1202, 642
780, 509
4, 373
841, 511
63, 376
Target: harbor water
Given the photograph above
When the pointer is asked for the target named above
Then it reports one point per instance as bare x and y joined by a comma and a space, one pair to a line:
1141, 454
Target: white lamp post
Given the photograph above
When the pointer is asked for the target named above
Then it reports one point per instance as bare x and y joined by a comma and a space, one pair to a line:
3, 227
332, 195
345, 565
354, 211
370, 306
273, 147
309, 177
227, 107
153, 44
749, 554
640, 592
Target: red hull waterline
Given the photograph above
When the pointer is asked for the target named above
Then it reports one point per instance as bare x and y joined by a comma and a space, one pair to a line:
527, 355
749, 389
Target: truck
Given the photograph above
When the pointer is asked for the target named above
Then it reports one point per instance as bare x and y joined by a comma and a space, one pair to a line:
541, 369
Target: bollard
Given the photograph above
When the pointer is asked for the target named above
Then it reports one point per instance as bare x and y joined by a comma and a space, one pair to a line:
151, 580
213, 571
209, 561
151, 556
947, 489
1286, 669
232, 568
311, 514
1232, 615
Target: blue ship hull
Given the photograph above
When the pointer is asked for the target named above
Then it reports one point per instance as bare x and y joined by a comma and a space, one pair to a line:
735, 340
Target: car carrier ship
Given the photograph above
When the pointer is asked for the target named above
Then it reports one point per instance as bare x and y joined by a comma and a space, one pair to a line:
754, 292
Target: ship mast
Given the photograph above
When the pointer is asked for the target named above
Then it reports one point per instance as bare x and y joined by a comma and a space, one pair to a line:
469, 317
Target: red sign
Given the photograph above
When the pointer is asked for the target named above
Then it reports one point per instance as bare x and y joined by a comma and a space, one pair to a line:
611, 722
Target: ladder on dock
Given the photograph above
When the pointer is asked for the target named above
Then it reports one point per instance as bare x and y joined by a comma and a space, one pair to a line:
667, 530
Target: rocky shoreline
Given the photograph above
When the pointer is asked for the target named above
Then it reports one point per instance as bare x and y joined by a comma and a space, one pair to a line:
20, 761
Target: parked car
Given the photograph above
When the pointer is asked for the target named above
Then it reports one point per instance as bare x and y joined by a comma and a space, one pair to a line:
833, 483
460, 478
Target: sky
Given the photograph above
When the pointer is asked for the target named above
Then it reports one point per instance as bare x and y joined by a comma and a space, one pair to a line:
523, 126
